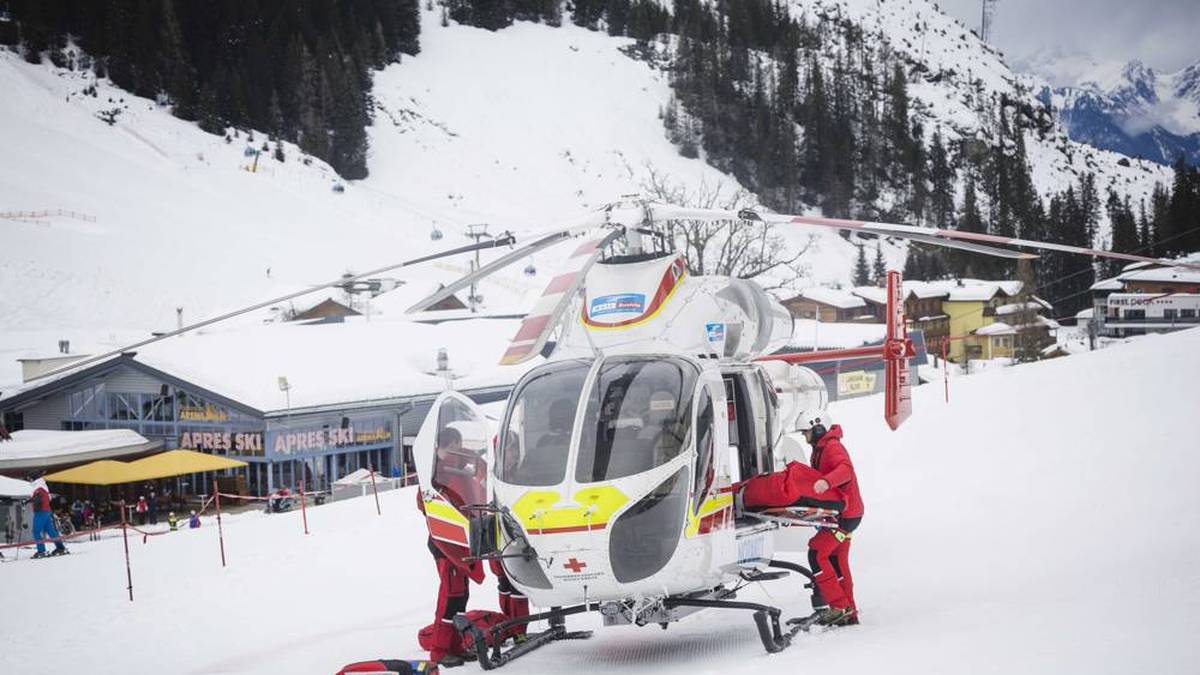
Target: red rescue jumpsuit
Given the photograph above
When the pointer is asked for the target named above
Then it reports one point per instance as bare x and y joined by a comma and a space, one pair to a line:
829, 549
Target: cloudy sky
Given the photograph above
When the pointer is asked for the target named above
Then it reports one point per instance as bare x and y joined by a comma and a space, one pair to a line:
1058, 38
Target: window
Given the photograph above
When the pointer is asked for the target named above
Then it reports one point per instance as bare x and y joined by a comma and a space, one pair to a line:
537, 440
1170, 314
1134, 314
1187, 313
14, 421
704, 449
638, 417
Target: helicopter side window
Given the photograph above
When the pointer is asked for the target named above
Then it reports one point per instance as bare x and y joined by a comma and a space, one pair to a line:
638, 416
537, 431
459, 460
704, 448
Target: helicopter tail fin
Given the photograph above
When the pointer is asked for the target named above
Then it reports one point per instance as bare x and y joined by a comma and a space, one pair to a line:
897, 349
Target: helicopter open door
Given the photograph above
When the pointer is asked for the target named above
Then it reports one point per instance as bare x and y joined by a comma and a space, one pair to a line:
453, 454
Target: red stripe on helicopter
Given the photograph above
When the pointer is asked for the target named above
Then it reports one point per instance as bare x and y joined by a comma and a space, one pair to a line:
440, 529
716, 521
666, 286
587, 247
531, 327
560, 283
573, 528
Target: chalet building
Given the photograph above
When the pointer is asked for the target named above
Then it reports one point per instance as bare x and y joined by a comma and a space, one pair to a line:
1146, 298
829, 305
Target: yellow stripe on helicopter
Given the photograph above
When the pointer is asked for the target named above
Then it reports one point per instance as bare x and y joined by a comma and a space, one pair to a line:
592, 509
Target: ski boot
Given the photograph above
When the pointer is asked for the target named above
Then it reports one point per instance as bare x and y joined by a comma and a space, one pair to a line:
822, 616
59, 551
450, 661
39, 554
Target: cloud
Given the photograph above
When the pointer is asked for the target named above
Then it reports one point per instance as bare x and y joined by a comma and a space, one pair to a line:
1162, 33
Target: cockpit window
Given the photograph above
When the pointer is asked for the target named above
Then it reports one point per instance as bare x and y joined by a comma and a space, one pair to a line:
638, 416
537, 433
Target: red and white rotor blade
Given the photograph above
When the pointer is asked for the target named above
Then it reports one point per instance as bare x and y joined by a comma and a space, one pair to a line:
922, 234
906, 231
539, 241
556, 299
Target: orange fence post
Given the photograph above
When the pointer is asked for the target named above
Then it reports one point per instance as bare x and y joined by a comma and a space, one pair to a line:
303, 510
220, 529
125, 536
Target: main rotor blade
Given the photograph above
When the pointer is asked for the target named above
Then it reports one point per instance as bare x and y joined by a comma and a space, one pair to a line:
556, 299
959, 245
503, 240
906, 232
544, 240
671, 212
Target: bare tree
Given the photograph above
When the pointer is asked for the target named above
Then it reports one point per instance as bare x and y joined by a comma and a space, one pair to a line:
737, 248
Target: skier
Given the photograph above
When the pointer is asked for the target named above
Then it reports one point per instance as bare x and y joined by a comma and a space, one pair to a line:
829, 550
193, 521
43, 521
141, 510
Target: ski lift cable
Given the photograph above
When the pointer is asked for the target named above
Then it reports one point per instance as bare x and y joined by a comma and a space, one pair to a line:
503, 240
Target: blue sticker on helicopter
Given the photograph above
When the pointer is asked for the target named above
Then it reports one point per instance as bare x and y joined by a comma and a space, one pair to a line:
620, 303
716, 332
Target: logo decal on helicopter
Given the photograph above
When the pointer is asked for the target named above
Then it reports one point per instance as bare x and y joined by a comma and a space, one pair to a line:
574, 565
620, 303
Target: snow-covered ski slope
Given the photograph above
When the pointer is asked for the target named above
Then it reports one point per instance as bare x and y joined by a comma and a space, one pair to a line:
1044, 521
522, 128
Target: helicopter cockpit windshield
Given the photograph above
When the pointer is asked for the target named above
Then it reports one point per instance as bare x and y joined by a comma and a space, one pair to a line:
638, 417
537, 439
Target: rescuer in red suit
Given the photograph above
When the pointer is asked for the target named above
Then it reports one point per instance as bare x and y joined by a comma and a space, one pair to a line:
459, 477
829, 549
827, 482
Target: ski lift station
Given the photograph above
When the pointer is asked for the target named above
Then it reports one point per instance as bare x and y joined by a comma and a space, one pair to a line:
311, 402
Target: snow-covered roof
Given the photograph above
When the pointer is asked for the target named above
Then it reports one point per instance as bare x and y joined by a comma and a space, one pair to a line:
973, 293
1113, 284
873, 294
1048, 323
1085, 313
362, 358
33, 448
833, 297
1014, 307
1178, 275
998, 328
11, 487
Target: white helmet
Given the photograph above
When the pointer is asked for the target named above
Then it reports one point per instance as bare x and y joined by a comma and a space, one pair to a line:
811, 418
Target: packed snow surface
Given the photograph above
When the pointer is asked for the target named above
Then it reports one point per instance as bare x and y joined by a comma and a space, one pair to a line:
1021, 528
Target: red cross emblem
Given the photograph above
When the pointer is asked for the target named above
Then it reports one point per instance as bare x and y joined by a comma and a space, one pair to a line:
574, 565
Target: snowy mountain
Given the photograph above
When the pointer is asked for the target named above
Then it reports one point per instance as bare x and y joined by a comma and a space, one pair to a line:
1134, 110
1006, 531
520, 128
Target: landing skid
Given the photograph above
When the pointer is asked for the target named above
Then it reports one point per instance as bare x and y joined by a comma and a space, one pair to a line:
766, 618
495, 656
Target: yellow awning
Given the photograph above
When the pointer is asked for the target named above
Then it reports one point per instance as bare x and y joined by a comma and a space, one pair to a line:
162, 465
179, 463
100, 472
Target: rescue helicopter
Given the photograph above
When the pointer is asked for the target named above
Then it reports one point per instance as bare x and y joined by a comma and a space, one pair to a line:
609, 485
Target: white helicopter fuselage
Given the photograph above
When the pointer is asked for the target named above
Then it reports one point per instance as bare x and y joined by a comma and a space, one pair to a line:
615, 460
